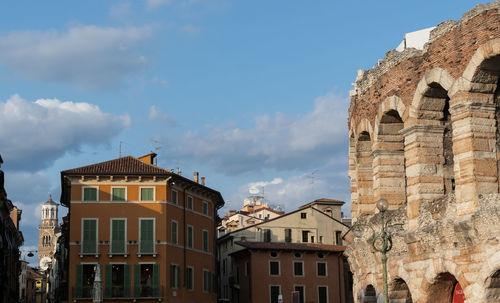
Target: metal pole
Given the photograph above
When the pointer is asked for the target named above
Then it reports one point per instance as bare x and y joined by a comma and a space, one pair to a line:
384, 259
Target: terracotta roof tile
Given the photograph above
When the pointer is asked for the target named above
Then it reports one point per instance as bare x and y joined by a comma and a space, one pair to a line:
126, 165
290, 246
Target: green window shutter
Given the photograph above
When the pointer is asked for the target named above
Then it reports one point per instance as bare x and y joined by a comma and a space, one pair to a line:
209, 283
90, 194
189, 278
205, 240
205, 208
107, 286
79, 280
178, 270
147, 245
118, 236
190, 202
172, 276
118, 194
89, 236
126, 281
147, 194
156, 280
137, 280
174, 197
174, 232
190, 236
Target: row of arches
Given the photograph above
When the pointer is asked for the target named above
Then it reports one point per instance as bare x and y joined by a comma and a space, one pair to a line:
446, 139
445, 289
46, 241
49, 213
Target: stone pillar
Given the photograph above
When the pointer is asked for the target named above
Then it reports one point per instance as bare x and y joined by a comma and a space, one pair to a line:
474, 148
424, 162
352, 176
364, 181
389, 175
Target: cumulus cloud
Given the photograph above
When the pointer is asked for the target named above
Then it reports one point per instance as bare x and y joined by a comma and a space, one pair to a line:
274, 142
34, 134
86, 56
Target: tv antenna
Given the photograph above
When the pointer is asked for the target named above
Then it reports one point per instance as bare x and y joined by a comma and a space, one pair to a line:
312, 176
121, 142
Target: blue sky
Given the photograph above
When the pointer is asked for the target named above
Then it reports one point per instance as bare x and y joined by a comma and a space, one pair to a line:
248, 93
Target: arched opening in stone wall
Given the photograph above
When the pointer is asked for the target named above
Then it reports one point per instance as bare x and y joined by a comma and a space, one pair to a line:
353, 174
399, 292
441, 291
436, 100
370, 295
389, 161
364, 176
493, 288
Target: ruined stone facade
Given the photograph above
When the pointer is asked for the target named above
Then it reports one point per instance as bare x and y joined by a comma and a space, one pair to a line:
424, 134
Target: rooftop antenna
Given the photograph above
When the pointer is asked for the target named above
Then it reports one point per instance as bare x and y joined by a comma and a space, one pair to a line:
312, 177
157, 148
121, 142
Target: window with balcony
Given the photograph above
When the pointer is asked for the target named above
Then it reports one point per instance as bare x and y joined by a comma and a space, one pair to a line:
85, 274
118, 227
146, 280
117, 281
90, 194
147, 194
118, 194
89, 236
146, 241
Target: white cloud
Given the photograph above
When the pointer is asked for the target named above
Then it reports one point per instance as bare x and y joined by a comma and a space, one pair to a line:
34, 134
154, 4
190, 29
86, 56
155, 113
274, 142
121, 10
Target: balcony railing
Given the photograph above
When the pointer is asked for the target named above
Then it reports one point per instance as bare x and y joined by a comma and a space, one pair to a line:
140, 292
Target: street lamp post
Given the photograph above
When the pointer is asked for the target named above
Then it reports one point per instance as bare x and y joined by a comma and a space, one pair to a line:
382, 241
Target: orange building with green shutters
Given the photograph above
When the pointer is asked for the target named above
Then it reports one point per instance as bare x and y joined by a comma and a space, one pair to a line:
150, 230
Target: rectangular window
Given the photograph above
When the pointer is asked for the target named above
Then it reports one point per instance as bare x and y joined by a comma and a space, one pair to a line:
288, 235
322, 294
303, 215
274, 268
321, 269
300, 293
298, 268
85, 274
146, 280
190, 236
190, 278
146, 240
174, 196
338, 237
89, 237
247, 269
267, 235
117, 280
205, 208
274, 293
174, 232
118, 194
90, 194
175, 276
147, 193
118, 236
205, 240
206, 280
189, 202
305, 236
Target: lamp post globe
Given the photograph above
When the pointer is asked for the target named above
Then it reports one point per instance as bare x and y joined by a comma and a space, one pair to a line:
382, 205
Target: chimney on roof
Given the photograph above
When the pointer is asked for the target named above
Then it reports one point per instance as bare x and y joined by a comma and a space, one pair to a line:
149, 158
195, 176
202, 180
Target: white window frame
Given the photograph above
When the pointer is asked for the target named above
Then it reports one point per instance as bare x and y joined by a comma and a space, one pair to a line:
126, 196
270, 293
204, 203
304, 287
176, 231
140, 193
192, 202
303, 270
111, 234
279, 268
96, 236
175, 274
326, 269
208, 240
154, 235
192, 278
97, 193
192, 236
317, 291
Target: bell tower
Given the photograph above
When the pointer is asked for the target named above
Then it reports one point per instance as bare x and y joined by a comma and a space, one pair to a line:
46, 233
